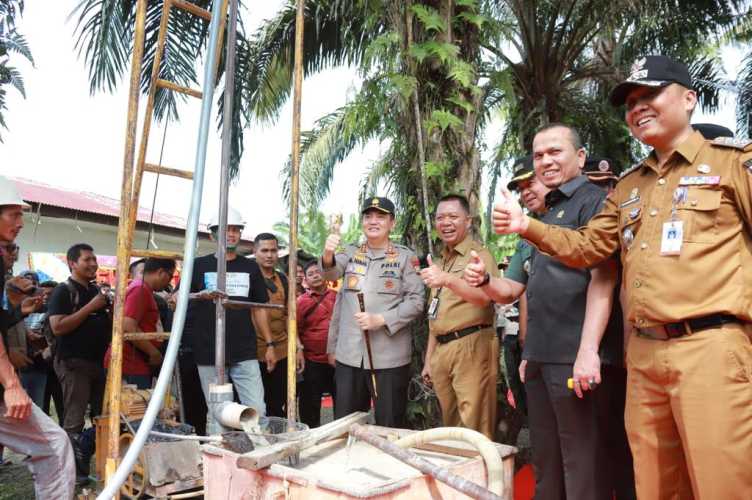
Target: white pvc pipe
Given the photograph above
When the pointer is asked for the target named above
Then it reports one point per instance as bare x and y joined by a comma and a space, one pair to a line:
484, 446
237, 416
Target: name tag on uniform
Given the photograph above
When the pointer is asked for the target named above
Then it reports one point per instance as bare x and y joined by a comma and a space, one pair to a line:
700, 180
671, 237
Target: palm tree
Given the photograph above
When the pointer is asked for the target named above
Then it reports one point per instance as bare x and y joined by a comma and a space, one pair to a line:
11, 41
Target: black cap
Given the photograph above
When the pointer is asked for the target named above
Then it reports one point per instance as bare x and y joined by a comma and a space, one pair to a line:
378, 203
521, 171
712, 131
600, 169
651, 71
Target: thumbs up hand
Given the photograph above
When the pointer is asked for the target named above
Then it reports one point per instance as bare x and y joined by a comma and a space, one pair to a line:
475, 271
508, 216
433, 276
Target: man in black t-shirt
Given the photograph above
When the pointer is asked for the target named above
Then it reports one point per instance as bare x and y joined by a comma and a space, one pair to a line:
244, 282
80, 319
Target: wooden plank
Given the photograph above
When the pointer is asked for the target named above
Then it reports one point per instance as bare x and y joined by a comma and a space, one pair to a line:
156, 254
192, 8
165, 84
146, 335
174, 172
264, 457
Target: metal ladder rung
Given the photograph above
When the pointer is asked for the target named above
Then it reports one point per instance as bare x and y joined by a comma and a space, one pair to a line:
156, 254
175, 172
165, 84
146, 335
192, 8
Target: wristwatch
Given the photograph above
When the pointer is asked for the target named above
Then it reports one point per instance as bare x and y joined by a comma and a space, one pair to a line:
486, 280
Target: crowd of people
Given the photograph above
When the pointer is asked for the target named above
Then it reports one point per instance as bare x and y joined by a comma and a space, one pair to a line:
632, 360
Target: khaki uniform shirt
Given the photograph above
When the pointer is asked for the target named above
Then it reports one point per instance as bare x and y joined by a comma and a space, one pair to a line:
454, 312
713, 272
277, 323
390, 288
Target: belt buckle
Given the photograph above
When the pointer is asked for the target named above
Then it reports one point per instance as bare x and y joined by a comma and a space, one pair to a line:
675, 330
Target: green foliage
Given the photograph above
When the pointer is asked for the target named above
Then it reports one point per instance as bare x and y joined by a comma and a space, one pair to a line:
429, 17
313, 229
11, 41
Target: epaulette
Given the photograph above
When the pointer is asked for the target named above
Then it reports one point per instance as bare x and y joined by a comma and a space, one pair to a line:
732, 142
630, 170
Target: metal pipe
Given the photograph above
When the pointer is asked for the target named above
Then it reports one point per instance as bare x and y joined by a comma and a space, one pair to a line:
459, 483
124, 243
224, 188
292, 268
189, 251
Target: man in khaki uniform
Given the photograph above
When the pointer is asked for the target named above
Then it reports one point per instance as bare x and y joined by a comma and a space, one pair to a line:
462, 357
682, 220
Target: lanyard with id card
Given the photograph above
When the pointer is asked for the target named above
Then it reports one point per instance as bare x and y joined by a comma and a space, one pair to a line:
672, 233
433, 306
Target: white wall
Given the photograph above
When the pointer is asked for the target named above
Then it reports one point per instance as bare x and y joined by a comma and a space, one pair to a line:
56, 235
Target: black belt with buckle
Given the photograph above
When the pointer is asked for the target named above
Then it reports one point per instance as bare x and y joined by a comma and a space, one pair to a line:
681, 328
448, 337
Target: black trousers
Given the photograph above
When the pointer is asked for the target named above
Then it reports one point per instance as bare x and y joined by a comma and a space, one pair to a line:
318, 378
275, 388
354, 392
512, 360
194, 403
53, 391
568, 447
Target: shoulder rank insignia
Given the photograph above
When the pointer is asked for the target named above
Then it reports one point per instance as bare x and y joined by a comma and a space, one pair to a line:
732, 142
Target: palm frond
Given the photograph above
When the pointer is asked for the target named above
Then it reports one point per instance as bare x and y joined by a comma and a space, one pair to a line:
15, 42
337, 32
744, 99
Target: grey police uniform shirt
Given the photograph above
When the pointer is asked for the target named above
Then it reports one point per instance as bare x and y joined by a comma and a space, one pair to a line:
390, 288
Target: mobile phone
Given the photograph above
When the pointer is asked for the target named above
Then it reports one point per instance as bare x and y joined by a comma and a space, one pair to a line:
423, 261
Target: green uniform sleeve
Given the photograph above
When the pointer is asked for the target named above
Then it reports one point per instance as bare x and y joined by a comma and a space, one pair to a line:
516, 270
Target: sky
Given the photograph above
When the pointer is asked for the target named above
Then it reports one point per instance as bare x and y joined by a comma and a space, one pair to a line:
63, 136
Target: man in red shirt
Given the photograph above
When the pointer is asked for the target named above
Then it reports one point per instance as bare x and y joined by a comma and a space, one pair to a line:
141, 357
315, 309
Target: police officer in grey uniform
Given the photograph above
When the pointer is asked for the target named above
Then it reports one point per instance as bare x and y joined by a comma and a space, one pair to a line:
384, 273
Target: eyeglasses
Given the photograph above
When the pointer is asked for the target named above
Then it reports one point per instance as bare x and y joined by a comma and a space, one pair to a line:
9, 247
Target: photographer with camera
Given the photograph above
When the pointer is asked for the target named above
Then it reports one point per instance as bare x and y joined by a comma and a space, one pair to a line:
80, 319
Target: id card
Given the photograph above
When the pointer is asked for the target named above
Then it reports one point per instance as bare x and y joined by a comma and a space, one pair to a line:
671, 237
433, 308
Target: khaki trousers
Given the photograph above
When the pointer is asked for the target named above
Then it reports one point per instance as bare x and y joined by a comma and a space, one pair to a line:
689, 415
464, 376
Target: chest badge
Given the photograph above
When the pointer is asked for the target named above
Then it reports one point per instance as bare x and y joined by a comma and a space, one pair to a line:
628, 237
634, 213
634, 193
560, 214
703, 168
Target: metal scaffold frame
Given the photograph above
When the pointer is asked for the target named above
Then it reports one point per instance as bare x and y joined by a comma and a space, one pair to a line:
116, 472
